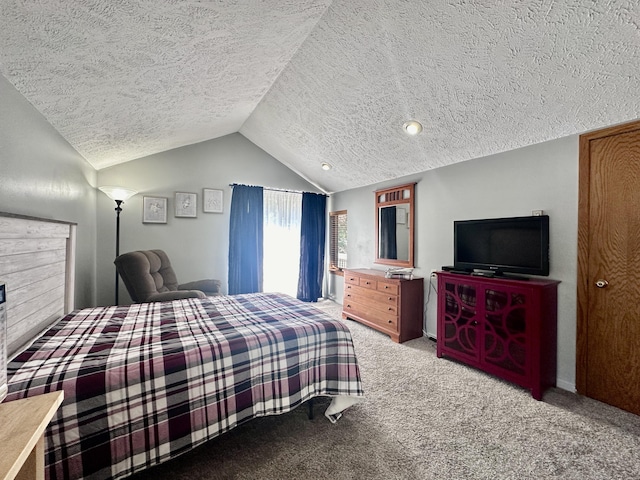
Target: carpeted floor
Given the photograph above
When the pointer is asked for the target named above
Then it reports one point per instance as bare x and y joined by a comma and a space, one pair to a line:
424, 418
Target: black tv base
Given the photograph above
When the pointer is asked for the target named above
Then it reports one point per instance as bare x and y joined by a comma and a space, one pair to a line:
483, 273
452, 269
461, 272
497, 274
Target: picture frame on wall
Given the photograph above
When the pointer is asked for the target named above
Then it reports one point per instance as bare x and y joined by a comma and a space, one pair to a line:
212, 200
186, 204
154, 209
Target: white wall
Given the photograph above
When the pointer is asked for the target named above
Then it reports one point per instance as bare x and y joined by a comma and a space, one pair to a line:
41, 175
543, 176
198, 247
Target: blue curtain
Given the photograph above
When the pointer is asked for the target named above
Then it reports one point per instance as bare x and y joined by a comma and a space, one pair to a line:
312, 242
245, 240
388, 245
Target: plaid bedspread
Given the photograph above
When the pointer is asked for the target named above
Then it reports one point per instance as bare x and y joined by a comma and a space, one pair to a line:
147, 382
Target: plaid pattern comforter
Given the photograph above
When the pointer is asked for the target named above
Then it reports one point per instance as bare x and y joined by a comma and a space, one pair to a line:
147, 382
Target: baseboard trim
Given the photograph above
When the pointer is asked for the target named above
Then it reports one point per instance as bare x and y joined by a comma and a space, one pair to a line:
564, 385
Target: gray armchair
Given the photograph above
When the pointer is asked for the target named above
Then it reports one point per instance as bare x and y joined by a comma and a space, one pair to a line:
149, 277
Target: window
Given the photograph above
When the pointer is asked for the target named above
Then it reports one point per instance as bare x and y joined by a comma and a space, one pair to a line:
282, 218
337, 241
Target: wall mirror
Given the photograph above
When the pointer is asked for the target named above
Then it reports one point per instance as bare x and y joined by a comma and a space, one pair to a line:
394, 225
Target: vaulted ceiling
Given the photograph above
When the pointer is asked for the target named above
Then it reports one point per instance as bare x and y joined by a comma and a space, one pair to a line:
313, 81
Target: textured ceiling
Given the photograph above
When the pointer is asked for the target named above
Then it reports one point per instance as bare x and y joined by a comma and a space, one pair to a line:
124, 79
324, 81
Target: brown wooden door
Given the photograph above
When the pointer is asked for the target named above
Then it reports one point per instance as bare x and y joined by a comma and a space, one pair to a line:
608, 342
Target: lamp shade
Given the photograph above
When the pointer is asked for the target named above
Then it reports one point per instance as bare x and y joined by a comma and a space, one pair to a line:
118, 193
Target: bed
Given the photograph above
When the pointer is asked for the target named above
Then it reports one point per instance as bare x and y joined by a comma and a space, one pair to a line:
147, 382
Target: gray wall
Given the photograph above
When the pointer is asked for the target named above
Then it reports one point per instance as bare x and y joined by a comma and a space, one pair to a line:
43, 176
539, 177
198, 247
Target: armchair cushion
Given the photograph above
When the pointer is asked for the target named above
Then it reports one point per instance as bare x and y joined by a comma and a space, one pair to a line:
175, 295
149, 277
209, 287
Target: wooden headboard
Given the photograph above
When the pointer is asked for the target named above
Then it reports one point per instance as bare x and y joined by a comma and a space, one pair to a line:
37, 264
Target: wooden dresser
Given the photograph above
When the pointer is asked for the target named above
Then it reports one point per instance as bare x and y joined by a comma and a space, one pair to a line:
391, 305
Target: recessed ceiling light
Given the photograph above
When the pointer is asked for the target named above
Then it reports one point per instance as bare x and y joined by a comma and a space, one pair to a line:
412, 127
326, 166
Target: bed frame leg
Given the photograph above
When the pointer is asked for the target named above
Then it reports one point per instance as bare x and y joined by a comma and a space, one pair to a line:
310, 407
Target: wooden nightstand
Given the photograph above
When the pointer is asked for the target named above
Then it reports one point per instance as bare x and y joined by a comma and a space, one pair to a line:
22, 425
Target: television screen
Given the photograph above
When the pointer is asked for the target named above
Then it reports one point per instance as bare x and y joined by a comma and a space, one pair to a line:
503, 245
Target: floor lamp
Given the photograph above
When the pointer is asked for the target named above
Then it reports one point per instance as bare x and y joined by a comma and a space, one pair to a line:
118, 194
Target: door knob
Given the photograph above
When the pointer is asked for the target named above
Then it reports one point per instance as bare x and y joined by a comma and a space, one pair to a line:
601, 283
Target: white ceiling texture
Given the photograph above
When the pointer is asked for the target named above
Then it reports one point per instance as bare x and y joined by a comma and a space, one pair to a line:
314, 81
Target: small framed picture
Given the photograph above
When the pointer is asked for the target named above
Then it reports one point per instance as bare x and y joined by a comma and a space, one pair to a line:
186, 204
154, 210
212, 200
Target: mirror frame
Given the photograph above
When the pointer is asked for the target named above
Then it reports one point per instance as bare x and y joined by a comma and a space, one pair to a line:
394, 196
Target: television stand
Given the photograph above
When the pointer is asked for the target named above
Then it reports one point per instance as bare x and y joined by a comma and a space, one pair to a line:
502, 326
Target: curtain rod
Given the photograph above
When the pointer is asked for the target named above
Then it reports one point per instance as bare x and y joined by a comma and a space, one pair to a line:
274, 189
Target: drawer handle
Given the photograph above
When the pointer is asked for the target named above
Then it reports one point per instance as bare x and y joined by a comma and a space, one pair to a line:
390, 321
348, 305
386, 286
367, 283
390, 298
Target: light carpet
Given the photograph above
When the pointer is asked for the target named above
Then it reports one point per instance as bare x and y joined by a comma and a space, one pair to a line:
424, 418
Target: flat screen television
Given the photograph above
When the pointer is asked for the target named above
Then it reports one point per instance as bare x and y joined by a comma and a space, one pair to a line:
502, 245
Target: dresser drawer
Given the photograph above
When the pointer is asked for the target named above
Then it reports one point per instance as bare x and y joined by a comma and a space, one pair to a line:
348, 287
351, 280
388, 321
382, 307
387, 287
370, 283
374, 296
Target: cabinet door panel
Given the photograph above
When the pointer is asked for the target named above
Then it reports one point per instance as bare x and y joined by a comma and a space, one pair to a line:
460, 319
504, 333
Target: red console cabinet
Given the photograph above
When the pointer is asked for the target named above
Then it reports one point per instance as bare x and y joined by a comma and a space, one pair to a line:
502, 326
